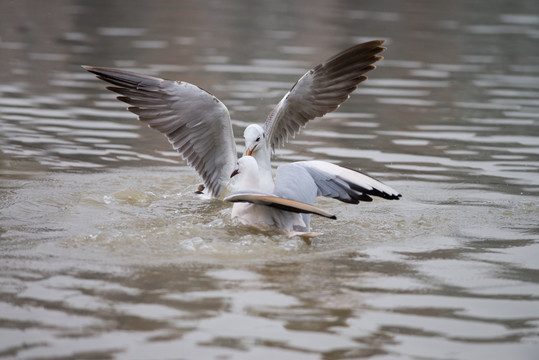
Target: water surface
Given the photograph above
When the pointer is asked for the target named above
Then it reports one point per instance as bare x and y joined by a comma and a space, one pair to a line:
107, 252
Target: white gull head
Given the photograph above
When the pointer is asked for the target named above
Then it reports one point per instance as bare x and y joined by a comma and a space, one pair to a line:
247, 171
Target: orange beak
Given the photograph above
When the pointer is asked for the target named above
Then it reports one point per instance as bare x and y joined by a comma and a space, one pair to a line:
249, 152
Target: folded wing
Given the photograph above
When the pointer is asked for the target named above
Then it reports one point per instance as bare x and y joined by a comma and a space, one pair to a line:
195, 122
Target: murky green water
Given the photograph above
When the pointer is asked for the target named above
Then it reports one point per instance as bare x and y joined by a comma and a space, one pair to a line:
107, 253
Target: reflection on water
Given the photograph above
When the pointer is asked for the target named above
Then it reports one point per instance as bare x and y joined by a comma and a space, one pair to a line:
106, 252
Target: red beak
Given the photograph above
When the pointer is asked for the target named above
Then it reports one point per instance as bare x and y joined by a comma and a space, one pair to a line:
249, 152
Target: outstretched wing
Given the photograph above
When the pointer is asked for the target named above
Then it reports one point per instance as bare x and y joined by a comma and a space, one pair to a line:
321, 90
299, 183
195, 122
329, 180
277, 202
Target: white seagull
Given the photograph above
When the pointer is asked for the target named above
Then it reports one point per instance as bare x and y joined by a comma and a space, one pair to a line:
289, 206
198, 125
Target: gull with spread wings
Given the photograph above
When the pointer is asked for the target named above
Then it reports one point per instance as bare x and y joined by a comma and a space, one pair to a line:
198, 125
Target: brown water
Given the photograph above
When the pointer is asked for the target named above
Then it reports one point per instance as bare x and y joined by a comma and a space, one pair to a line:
107, 253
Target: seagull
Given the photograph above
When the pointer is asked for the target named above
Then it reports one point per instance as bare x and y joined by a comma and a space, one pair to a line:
198, 125
289, 206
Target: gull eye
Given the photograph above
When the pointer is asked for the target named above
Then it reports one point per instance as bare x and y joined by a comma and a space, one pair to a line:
257, 139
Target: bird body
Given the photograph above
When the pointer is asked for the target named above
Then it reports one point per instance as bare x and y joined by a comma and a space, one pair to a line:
290, 204
256, 208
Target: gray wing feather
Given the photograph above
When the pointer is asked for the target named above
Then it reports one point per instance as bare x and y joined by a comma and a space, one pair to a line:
195, 122
321, 90
293, 181
304, 180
